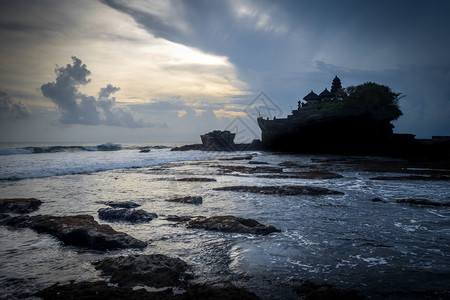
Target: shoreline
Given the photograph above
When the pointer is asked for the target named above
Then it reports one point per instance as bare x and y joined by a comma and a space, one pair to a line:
227, 172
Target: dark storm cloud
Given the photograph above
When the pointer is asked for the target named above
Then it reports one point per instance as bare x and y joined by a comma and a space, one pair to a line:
345, 27
12, 110
107, 91
78, 108
208, 25
161, 28
16, 26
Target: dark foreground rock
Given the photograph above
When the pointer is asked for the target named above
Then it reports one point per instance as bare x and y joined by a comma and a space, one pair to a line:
246, 157
197, 179
305, 175
218, 293
198, 147
178, 219
100, 290
414, 177
285, 190
312, 290
79, 230
231, 224
424, 202
155, 270
126, 215
188, 199
250, 170
19, 205
258, 163
124, 204
378, 200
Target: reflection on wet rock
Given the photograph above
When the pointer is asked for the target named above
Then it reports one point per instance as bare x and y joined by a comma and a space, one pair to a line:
231, 224
126, 215
155, 270
79, 230
287, 190
188, 199
19, 205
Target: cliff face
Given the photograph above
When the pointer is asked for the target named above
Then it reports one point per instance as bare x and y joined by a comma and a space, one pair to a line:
341, 129
350, 134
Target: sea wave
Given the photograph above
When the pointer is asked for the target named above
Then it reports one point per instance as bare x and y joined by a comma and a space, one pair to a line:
17, 167
74, 148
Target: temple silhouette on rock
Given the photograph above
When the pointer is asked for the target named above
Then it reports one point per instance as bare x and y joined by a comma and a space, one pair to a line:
338, 120
355, 120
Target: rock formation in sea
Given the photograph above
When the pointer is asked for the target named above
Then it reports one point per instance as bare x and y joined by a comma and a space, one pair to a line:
188, 199
78, 230
224, 224
19, 205
125, 215
155, 270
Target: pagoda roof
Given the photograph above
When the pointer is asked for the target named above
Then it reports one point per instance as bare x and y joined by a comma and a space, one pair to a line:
311, 96
326, 94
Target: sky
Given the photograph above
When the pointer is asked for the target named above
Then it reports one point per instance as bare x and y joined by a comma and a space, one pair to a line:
160, 71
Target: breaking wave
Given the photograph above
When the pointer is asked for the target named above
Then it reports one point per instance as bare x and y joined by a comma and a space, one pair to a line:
58, 148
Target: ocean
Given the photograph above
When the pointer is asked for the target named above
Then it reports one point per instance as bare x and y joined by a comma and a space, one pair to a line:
382, 249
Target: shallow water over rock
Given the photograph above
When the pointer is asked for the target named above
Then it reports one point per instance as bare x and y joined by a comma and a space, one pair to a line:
346, 240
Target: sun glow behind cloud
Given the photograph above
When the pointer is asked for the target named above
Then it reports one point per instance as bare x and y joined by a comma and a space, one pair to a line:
172, 58
117, 51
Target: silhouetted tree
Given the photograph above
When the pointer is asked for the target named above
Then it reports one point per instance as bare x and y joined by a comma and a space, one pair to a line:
374, 98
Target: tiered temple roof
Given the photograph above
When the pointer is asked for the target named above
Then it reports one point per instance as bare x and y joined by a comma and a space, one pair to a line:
326, 94
311, 96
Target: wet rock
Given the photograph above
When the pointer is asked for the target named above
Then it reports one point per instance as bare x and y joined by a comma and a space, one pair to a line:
154, 270
78, 230
312, 290
126, 215
188, 199
246, 157
378, 200
413, 177
98, 290
231, 224
189, 147
424, 202
285, 190
251, 170
258, 163
218, 293
197, 179
124, 204
178, 219
305, 175
289, 164
19, 205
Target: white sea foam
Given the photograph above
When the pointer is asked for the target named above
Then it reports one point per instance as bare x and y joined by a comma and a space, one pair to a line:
14, 167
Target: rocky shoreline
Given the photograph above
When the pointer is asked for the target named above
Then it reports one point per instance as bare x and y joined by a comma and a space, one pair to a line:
78, 230
133, 274
157, 276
